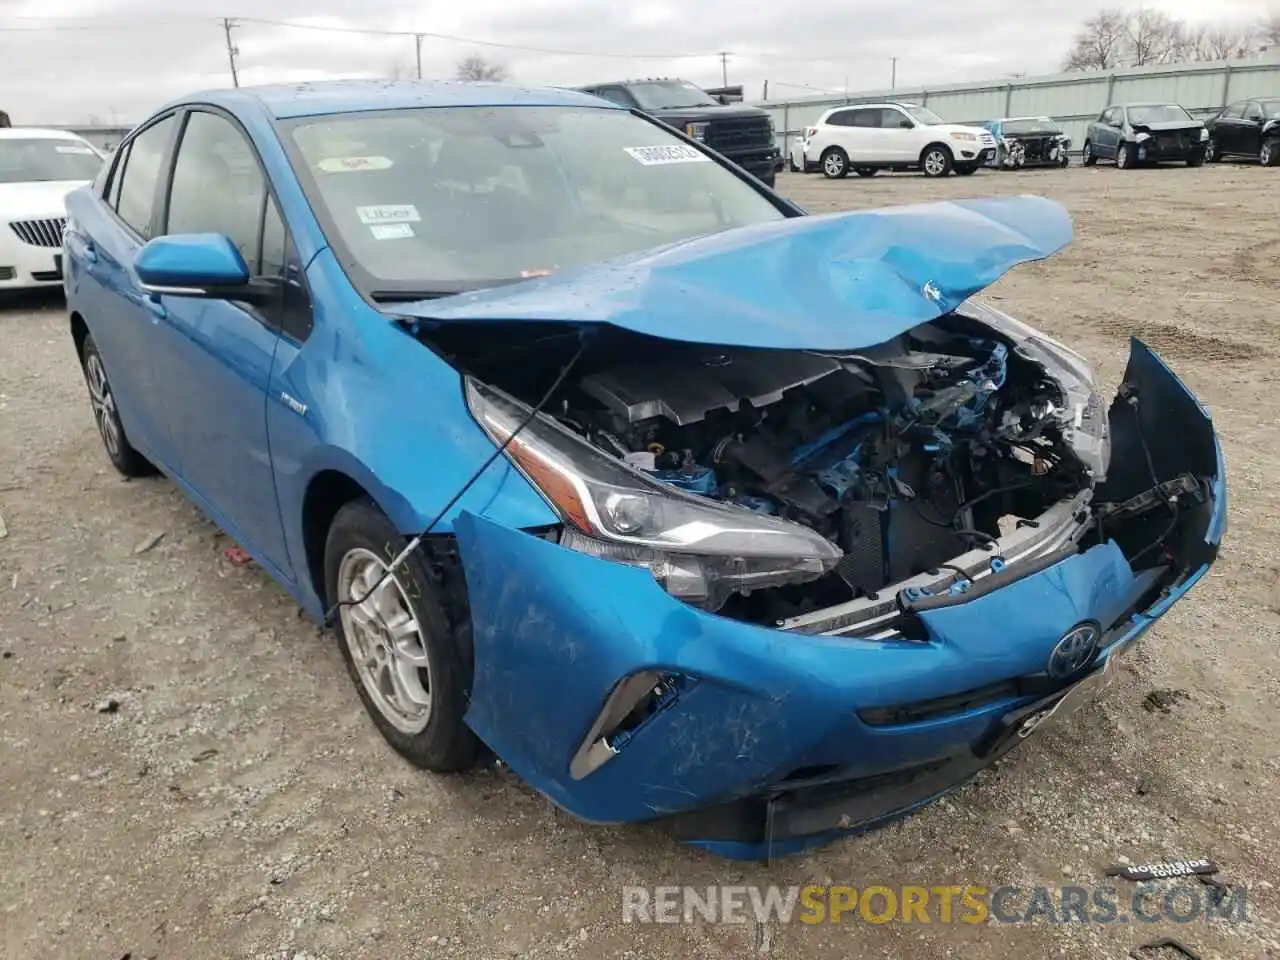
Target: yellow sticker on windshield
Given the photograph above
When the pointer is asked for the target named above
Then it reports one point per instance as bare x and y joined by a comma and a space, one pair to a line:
667, 153
347, 164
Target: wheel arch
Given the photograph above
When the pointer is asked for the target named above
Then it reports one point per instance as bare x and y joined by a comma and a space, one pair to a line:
936, 143
327, 492
79, 333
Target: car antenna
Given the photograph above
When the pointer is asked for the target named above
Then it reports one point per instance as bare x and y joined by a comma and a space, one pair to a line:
416, 542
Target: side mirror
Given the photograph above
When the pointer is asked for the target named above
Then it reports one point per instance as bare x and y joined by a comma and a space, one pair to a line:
905, 124
205, 265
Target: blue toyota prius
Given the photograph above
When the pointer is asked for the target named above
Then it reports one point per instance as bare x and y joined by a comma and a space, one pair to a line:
602, 457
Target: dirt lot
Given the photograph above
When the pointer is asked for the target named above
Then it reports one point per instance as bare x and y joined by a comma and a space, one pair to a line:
238, 803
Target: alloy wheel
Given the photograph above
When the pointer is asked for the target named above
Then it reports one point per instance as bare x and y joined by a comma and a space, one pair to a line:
386, 642
104, 404
935, 164
1265, 154
833, 164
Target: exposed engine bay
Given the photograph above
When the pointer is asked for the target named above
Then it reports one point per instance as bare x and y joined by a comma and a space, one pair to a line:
904, 455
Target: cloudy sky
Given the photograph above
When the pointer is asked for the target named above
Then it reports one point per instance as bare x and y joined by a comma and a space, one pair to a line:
67, 61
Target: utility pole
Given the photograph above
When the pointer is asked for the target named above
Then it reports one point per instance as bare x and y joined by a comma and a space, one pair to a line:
893, 73
724, 69
232, 50
417, 49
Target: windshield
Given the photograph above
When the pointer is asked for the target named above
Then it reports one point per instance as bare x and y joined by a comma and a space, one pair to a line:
669, 95
923, 115
1158, 114
26, 160
1022, 128
446, 199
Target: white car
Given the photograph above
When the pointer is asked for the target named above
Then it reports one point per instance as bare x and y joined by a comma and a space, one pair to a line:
868, 137
38, 168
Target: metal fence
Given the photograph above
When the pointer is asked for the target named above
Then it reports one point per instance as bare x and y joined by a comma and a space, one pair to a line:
1073, 99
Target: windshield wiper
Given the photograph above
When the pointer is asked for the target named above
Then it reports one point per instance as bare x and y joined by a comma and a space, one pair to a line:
409, 296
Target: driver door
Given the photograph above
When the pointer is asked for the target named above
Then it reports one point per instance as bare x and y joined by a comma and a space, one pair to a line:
212, 359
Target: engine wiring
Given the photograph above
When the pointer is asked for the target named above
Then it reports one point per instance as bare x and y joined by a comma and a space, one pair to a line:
398, 561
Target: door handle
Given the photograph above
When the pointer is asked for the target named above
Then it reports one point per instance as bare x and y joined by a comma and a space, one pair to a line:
154, 307
90, 254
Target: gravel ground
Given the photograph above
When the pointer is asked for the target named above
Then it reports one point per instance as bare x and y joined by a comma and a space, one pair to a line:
232, 800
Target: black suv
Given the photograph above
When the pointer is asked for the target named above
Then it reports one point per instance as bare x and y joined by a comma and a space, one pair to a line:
737, 132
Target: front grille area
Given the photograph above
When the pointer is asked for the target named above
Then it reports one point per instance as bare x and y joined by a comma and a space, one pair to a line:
1172, 143
40, 233
739, 134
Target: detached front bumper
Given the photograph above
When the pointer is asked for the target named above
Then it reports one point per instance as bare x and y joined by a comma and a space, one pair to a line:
763, 742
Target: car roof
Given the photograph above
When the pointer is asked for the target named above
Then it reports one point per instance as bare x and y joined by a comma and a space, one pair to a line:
289, 101
902, 104
1037, 117
31, 133
1150, 103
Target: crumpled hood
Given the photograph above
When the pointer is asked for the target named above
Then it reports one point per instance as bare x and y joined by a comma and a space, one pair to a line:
31, 201
1169, 126
834, 282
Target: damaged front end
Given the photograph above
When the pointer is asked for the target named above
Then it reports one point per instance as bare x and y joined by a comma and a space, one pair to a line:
795, 591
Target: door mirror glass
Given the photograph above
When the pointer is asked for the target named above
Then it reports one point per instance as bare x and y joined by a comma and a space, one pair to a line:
192, 264
906, 124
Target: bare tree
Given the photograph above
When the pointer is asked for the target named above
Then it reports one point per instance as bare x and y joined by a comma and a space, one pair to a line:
1269, 31
1227, 42
1100, 43
476, 68
1153, 37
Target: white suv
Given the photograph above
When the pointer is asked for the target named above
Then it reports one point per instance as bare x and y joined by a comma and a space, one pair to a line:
868, 137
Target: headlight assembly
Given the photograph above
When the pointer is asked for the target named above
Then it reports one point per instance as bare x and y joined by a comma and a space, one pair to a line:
698, 549
1204, 134
968, 137
697, 130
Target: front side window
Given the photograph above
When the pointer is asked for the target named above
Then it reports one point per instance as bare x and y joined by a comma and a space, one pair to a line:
36, 159
1233, 112
1271, 108
891, 119
455, 198
141, 175
1253, 112
1160, 113
217, 186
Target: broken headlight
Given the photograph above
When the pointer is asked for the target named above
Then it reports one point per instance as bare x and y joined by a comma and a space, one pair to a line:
700, 550
1083, 422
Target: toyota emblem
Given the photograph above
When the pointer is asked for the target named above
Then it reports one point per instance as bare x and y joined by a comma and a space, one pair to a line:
1075, 651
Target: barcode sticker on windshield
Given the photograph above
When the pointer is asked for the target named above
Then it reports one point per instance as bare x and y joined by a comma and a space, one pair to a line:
343, 164
389, 213
391, 231
667, 153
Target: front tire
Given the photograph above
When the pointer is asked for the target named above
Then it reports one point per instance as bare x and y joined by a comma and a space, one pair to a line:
936, 161
791, 166
1196, 159
106, 414
835, 163
1087, 156
1124, 156
411, 666
1269, 155
1211, 151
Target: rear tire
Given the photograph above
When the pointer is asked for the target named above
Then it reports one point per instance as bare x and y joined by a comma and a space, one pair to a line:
835, 163
1087, 156
1211, 150
106, 415
936, 161
1195, 160
408, 650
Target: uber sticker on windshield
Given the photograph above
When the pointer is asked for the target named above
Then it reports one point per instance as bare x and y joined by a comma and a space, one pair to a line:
343, 164
389, 213
391, 231
667, 153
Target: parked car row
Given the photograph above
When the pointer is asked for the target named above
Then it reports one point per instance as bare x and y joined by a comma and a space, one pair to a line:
869, 137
